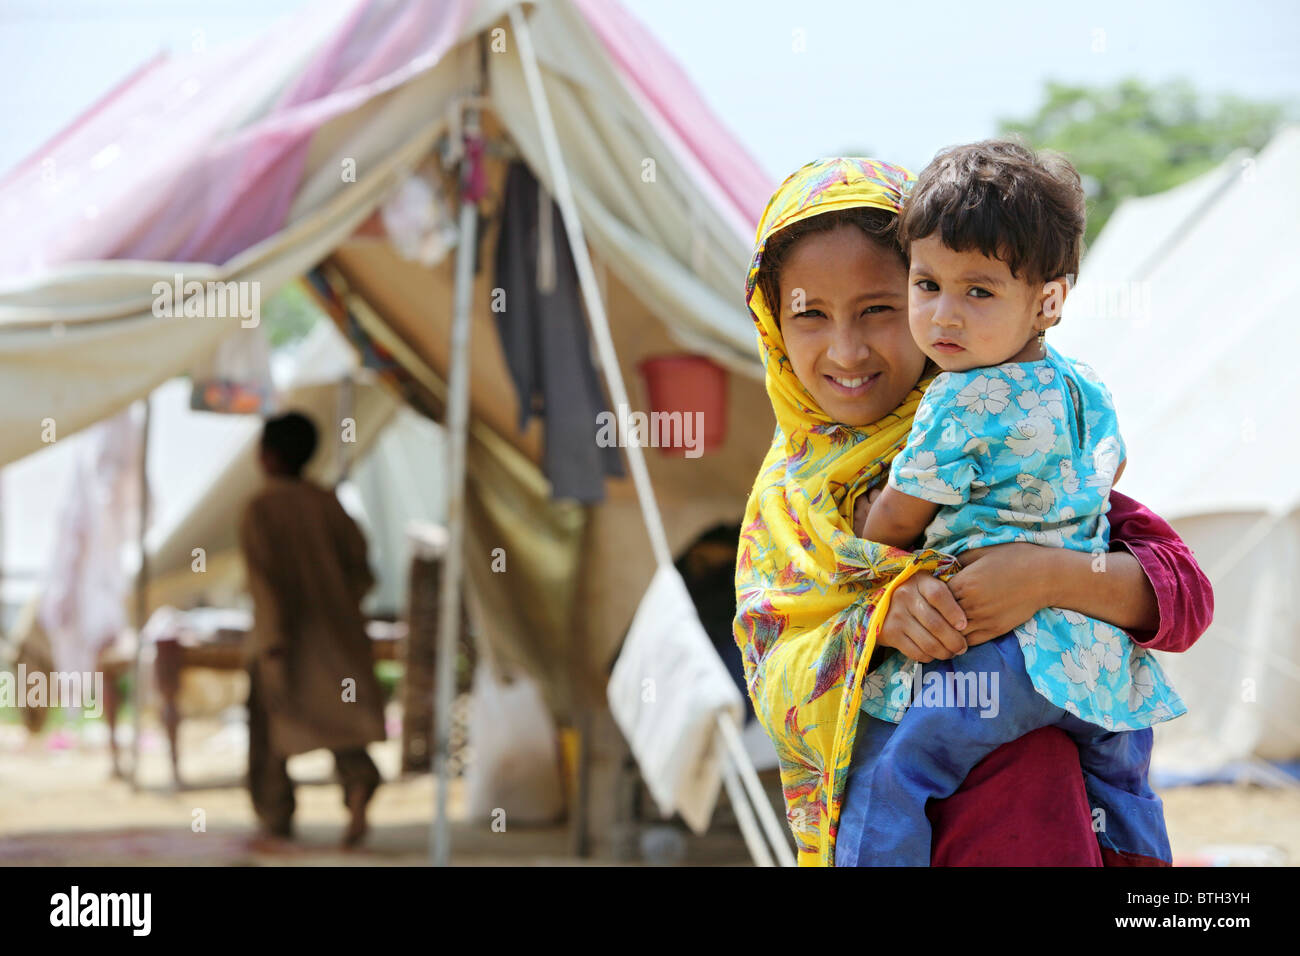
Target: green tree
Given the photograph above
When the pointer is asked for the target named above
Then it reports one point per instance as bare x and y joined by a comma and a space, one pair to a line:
289, 315
1133, 139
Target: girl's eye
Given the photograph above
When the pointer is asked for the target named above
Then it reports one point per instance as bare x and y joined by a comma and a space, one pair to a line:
809, 314
927, 285
979, 293
875, 309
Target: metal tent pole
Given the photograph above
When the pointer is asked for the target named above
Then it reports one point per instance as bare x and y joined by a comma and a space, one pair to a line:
4, 607
744, 815
458, 381
736, 751
141, 599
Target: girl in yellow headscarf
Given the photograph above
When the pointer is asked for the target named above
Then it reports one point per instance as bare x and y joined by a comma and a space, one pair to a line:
811, 595
827, 289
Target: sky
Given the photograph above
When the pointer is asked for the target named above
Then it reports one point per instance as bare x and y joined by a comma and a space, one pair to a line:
793, 80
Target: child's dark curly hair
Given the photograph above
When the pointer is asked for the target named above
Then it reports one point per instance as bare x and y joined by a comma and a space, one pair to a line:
1006, 201
880, 226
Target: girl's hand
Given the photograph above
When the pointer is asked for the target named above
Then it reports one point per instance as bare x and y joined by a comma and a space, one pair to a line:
862, 508
924, 621
999, 588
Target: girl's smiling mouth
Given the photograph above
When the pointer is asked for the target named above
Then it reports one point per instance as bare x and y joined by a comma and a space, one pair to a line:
852, 386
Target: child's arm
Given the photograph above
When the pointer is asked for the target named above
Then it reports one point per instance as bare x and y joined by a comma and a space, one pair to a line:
898, 519
934, 468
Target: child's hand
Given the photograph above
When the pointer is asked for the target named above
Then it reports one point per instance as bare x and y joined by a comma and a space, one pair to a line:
862, 508
997, 589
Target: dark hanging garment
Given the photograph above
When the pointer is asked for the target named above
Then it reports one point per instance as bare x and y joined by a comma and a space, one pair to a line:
544, 337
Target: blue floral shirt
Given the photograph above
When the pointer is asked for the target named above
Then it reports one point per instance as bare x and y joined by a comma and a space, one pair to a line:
1027, 451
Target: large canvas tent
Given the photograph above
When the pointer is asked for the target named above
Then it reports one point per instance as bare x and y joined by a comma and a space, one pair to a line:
1185, 308
258, 164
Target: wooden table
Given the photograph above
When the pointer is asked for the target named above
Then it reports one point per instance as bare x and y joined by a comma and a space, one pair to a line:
179, 647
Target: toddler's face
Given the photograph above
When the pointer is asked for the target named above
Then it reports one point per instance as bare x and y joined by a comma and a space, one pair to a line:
843, 316
968, 311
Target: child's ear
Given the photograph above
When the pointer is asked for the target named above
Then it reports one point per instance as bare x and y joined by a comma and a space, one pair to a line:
1053, 298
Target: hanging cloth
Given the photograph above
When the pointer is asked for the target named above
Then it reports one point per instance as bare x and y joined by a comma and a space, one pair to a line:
544, 337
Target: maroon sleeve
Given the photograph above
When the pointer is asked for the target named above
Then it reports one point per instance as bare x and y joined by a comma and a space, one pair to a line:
1183, 592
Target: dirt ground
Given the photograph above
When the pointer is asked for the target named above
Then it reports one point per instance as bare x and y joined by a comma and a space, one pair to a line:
60, 805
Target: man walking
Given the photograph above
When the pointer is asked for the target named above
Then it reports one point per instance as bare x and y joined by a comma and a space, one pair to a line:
311, 675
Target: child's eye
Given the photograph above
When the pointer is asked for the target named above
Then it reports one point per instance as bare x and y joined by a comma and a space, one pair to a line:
927, 285
979, 293
809, 314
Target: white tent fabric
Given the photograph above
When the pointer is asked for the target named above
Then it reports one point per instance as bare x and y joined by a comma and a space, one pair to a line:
400, 480
202, 466
83, 607
35, 486
1186, 308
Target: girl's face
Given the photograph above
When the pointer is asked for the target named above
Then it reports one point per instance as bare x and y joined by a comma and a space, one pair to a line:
843, 316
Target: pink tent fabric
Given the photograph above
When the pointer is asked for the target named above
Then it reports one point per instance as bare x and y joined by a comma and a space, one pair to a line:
173, 167
196, 159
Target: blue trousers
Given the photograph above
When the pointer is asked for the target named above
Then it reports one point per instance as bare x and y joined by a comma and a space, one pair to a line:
896, 768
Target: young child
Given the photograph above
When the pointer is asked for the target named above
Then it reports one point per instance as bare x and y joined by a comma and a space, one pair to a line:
1013, 442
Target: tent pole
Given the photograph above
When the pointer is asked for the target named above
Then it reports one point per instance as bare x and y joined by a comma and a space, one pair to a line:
457, 429
141, 598
744, 815
4, 607
736, 751
597, 318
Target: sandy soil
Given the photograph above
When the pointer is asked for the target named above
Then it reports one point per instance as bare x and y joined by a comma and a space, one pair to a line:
60, 805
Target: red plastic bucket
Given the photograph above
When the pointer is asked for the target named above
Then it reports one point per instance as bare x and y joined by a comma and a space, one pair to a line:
688, 384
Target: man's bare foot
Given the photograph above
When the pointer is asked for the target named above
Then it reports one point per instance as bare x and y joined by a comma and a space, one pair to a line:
273, 839
357, 799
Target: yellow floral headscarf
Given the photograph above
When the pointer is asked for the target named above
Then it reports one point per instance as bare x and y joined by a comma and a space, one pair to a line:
811, 596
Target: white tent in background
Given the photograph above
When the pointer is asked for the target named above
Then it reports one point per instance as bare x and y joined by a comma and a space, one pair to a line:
1187, 309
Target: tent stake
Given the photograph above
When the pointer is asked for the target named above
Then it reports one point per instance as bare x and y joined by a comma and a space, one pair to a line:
457, 428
